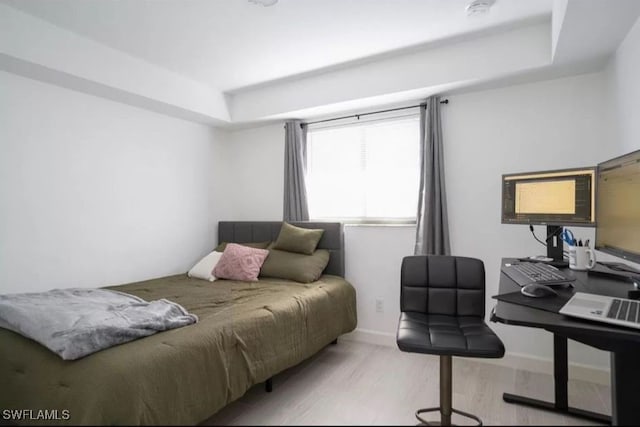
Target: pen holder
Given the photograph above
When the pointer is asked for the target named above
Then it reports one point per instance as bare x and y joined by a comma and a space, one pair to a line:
581, 258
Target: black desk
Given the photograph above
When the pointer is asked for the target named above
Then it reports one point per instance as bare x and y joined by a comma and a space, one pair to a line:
623, 343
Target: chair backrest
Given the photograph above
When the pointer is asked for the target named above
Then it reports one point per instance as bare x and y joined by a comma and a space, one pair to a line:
437, 284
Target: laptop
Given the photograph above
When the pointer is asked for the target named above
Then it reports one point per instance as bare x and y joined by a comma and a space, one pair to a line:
617, 311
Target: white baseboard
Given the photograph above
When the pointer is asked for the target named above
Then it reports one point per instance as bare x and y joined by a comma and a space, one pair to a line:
577, 371
371, 337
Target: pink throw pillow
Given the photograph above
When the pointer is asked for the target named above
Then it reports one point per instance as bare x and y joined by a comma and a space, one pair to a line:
240, 262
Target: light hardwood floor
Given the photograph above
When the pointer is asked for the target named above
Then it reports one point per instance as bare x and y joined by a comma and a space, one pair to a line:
354, 383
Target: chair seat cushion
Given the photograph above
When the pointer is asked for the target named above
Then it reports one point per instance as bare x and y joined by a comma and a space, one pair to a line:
465, 336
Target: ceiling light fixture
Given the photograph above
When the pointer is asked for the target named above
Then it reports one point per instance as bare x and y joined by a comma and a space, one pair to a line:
479, 7
264, 3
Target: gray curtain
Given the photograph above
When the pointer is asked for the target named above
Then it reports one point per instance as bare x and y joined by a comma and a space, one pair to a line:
432, 231
295, 167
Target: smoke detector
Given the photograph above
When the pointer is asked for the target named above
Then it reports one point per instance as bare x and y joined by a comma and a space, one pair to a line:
264, 3
479, 7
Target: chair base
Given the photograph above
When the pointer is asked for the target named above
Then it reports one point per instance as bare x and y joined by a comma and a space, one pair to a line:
439, 423
446, 395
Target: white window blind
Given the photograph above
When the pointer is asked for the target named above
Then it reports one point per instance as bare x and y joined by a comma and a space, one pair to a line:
364, 172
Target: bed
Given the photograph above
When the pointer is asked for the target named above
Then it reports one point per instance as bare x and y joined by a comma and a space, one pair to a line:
247, 332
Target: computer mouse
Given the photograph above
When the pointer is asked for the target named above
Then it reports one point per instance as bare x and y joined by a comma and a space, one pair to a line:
537, 290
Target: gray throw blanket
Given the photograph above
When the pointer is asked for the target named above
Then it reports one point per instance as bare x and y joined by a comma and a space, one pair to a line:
76, 322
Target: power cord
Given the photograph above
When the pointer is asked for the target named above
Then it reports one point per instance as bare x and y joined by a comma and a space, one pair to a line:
536, 237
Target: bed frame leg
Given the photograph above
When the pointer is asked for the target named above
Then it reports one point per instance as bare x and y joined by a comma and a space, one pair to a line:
268, 385
334, 342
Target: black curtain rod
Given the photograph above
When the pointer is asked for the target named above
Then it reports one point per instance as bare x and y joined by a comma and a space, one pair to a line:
444, 101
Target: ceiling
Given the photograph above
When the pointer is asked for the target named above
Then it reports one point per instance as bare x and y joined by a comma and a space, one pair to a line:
233, 44
234, 63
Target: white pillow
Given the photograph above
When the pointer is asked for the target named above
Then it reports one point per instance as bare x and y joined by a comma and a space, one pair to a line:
204, 268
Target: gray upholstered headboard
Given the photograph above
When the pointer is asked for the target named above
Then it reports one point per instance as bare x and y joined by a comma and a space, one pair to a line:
262, 231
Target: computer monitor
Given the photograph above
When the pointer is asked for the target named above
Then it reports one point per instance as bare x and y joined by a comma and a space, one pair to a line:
552, 198
618, 207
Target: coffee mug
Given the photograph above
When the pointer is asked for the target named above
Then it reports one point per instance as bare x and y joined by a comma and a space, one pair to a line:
581, 258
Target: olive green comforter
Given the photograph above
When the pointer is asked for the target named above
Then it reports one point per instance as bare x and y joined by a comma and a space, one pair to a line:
246, 333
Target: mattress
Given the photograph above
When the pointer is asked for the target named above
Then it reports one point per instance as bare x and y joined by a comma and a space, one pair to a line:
247, 332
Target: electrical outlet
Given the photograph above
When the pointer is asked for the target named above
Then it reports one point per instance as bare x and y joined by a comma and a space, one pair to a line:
379, 305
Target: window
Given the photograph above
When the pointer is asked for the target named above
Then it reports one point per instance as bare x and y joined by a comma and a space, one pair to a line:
364, 172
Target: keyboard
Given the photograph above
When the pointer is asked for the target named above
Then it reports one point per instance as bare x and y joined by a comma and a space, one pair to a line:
524, 273
624, 309
601, 308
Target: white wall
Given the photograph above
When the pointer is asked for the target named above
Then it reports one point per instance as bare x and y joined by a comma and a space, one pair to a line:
546, 125
256, 179
624, 90
558, 13
93, 192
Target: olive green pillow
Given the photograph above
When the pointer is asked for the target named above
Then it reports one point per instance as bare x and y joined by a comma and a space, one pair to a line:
257, 245
297, 239
293, 266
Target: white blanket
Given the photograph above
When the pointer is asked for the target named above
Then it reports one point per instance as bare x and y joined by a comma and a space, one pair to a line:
76, 322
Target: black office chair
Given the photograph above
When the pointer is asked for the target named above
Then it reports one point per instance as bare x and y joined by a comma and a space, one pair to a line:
442, 305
